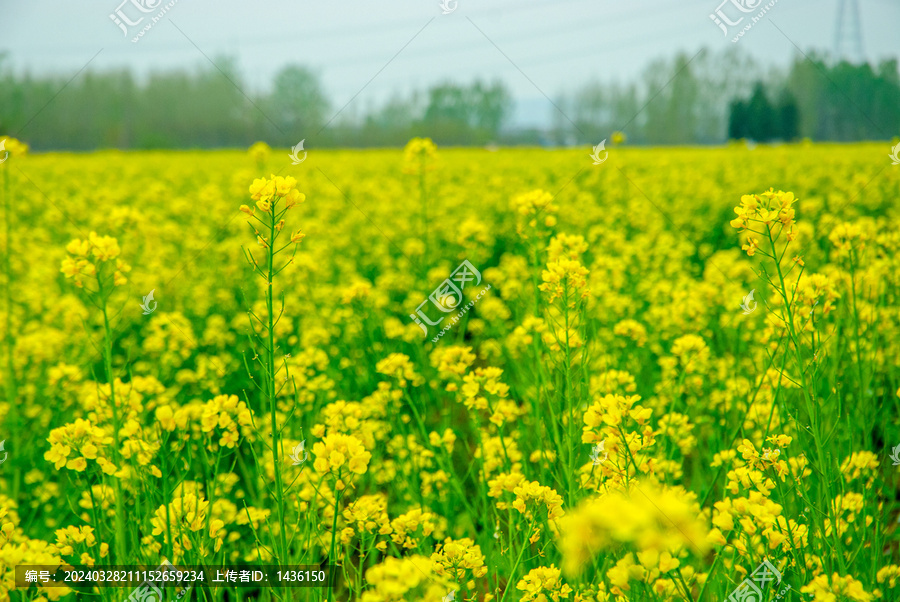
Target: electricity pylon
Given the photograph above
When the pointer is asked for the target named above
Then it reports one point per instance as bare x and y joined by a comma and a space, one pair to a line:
848, 44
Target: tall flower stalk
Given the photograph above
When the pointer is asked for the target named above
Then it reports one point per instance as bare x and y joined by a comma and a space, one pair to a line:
770, 216
94, 266
14, 147
274, 198
565, 284
419, 157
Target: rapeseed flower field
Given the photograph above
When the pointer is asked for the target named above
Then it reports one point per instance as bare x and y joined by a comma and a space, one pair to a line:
456, 374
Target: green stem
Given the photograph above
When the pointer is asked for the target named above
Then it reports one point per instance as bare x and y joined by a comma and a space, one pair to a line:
859, 369
512, 574
11, 389
331, 561
120, 502
814, 423
440, 455
170, 548
423, 202
708, 575
271, 385
568, 401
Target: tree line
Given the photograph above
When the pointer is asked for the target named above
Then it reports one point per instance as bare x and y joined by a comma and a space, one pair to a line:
713, 97
705, 99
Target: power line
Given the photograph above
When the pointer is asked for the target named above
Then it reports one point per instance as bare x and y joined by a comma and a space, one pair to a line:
517, 38
411, 25
541, 59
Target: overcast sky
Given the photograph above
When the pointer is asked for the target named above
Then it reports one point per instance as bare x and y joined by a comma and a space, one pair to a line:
373, 49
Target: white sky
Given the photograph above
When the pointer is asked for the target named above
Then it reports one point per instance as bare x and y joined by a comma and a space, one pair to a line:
558, 45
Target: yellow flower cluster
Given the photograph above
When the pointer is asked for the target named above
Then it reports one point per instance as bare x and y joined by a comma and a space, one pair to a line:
890, 573
408, 529
398, 366
498, 452
15, 148
848, 509
453, 359
566, 279
97, 249
623, 426
612, 410
458, 557
757, 463
445, 440
815, 289
542, 585
632, 330
356, 291
259, 152
530, 330
648, 516
268, 193
541, 497
613, 381
772, 210
529, 207
72, 445
362, 420
403, 579
504, 482
755, 517
861, 465
692, 353
568, 246
135, 443
18, 549
69, 537
849, 237
419, 156
483, 392
186, 514
369, 514
534, 202
225, 415
823, 589
100, 498
338, 453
